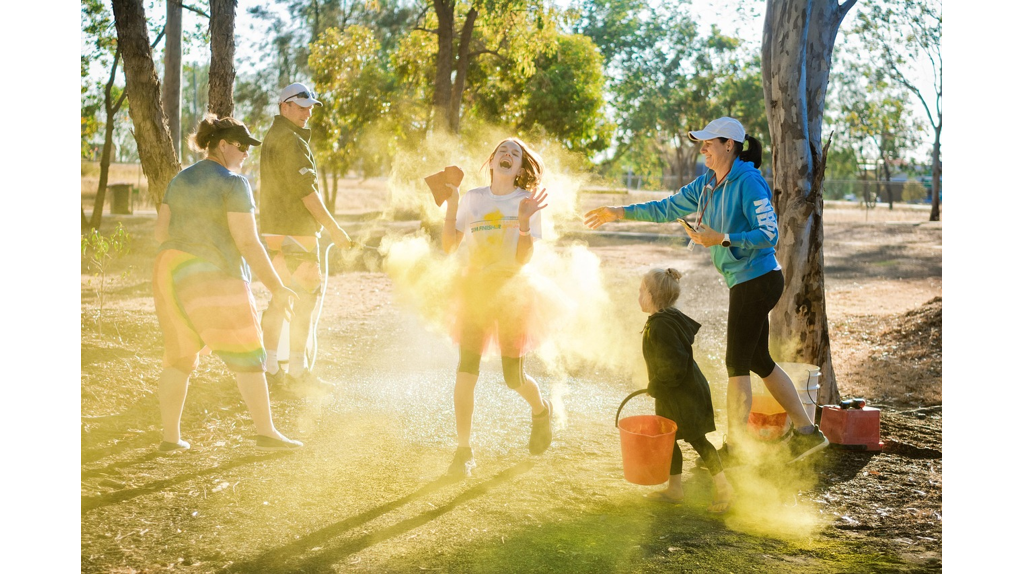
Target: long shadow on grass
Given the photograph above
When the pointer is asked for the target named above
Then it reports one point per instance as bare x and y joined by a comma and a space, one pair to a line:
283, 559
90, 503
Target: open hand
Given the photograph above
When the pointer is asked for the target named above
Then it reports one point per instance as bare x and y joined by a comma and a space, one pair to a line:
530, 205
597, 217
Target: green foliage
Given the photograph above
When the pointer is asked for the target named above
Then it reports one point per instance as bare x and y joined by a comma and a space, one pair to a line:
562, 99
666, 79
914, 190
99, 250
565, 96
354, 86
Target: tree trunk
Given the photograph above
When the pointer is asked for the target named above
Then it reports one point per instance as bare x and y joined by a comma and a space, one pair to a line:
445, 10
796, 52
334, 189
110, 109
462, 68
172, 74
143, 88
222, 57
936, 175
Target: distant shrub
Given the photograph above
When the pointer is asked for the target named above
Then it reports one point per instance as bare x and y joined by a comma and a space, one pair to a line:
914, 190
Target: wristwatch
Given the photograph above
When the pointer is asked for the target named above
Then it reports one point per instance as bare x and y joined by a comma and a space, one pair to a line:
725, 241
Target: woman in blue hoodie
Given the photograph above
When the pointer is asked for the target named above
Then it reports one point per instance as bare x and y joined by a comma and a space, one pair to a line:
736, 221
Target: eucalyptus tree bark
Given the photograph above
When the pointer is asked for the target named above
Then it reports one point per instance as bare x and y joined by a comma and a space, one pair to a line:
445, 10
222, 57
172, 73
936, 172
796, 56
152, 136
461, 69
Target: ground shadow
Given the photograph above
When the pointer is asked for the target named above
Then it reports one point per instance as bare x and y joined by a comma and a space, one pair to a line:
287, 558
90, 503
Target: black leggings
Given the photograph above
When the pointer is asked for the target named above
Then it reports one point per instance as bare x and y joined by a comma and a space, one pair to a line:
511, 367
746, 346
706, 451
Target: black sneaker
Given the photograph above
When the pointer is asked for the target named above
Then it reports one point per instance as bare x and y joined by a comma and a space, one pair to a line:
307, 381
803, 445
732, 457
463, 464
272, 444
540, 433
278, 379
168, 447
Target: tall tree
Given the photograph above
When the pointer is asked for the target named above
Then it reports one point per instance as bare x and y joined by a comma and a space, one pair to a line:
666, 79
517, 31
159, 162
98, 25
796, 55
354, 89
874, 112
172, 73
222, 57
906, 35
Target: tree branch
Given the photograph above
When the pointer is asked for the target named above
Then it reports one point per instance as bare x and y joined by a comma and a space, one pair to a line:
843, 9
190, 8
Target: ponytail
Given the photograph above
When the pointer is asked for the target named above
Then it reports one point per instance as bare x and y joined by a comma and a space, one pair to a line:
209, 133
753, 151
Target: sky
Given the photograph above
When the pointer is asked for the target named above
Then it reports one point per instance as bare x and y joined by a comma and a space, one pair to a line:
42, 284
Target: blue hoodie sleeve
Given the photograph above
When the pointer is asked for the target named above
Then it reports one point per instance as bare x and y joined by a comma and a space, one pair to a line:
671, 208
763, 229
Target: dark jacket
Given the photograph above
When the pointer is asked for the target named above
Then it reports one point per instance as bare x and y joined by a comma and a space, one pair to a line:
287, 174
675, 381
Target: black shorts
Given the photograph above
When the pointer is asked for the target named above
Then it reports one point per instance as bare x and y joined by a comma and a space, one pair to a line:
747, 331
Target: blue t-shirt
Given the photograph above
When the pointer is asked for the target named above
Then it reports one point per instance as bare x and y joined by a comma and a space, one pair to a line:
200, 198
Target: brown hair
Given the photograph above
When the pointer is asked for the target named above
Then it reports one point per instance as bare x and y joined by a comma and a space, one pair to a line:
533, 166
211, 131
663, 285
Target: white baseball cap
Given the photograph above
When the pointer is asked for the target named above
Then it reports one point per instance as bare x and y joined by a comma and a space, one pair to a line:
721, 128
299, 94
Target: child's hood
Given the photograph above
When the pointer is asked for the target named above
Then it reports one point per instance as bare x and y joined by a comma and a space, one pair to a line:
684, 323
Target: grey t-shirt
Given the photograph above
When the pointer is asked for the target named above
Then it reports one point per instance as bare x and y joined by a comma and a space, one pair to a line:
200, 198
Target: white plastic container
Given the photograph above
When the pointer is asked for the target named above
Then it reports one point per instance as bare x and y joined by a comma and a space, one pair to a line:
806, 378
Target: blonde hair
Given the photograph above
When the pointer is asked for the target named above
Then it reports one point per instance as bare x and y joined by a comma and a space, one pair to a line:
663, 285
210, 132
533, 166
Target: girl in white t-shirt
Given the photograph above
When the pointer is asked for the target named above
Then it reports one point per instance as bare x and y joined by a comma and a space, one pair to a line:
499, 223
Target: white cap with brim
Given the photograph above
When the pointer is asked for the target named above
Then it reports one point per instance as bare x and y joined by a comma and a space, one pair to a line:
721, 128
299, 94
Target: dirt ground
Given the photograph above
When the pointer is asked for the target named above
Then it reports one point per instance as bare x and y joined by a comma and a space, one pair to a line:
367, 493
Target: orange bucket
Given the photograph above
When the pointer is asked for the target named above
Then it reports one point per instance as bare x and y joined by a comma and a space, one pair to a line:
646, 445
767, 419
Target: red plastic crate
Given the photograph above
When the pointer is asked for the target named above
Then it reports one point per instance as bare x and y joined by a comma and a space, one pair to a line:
851, 428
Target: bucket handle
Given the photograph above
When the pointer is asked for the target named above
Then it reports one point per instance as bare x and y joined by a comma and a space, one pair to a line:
626, 400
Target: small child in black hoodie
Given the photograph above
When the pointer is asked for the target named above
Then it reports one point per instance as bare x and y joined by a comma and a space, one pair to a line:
680, 391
